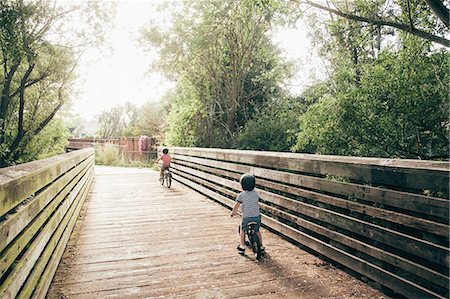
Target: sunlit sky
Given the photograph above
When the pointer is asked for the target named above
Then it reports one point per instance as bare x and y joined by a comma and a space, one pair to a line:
118, 72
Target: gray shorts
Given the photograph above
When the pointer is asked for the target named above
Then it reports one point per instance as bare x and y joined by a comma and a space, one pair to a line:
245, 222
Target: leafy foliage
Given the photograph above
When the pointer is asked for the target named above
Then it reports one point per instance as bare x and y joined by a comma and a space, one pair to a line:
274, 128
226, 69
117, 121
385, 95
425, 19
398, 109
130, 120
51, 141
187, 119
38, 61
151, 120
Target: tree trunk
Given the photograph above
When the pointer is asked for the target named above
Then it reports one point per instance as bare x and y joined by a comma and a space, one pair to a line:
20, 129
6, 99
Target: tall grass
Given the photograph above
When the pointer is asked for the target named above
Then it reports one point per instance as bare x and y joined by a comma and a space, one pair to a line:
109, 154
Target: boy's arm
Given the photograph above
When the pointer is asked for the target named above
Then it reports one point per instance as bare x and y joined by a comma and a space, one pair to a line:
235, 208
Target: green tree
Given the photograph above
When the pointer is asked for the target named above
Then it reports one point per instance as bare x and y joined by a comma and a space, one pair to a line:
111, 122
225, 66
427, 19
38, 63
399, 109
187, 118
385, 96
51, 141
118, 121
151, 119
274, 128
32, 69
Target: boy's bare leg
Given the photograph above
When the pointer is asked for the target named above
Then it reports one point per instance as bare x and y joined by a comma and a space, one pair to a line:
242, 234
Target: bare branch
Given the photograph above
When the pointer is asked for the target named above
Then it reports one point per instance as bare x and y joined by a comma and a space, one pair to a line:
31, 83
48, 118
423, 34
411, 25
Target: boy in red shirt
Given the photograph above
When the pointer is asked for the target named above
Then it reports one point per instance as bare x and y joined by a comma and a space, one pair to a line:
165, 158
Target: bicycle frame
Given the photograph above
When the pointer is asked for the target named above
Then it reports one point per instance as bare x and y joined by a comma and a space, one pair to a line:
253, 239
167, 178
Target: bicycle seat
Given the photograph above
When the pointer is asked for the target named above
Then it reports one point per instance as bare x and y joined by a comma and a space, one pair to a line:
252, 223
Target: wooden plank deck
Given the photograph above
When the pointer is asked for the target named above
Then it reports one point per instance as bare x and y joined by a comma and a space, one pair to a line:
138, 239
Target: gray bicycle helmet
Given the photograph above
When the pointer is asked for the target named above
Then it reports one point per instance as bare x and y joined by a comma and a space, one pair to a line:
247, 182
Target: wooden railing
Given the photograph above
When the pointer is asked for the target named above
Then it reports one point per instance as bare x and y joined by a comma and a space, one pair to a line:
39, 204
386, 219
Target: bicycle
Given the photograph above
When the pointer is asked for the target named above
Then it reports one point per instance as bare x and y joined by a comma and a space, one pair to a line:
167, 178
252, 240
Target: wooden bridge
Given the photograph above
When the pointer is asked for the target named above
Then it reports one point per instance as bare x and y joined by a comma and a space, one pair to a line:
386, 222
137, 238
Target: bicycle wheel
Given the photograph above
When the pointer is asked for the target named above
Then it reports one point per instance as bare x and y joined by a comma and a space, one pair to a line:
168, 180
256, 246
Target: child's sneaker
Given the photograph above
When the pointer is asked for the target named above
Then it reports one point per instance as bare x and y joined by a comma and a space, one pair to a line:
241, 249
263, 250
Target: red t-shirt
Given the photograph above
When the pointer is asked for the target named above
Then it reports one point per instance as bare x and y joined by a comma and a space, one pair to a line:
166, 159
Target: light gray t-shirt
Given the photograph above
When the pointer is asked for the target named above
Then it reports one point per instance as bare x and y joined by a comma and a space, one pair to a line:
250, 203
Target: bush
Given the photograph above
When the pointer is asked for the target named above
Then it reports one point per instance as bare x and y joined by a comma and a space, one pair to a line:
108, 154
274, 128
398, 109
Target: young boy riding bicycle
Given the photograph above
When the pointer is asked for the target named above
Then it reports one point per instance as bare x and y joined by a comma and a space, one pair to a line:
249, 200
165, 158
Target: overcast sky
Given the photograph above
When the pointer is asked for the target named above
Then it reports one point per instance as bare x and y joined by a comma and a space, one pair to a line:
119, 73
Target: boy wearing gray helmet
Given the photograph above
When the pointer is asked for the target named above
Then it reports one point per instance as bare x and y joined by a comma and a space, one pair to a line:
249, 200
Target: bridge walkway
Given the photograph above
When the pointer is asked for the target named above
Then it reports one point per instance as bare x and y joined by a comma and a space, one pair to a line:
138, 239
